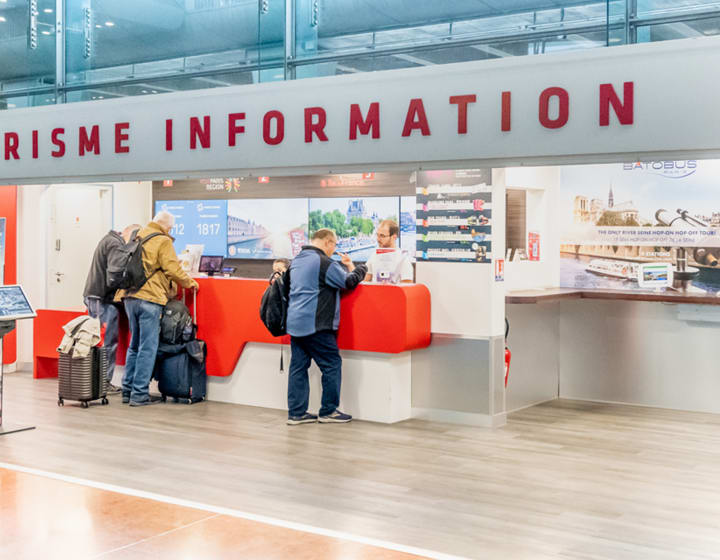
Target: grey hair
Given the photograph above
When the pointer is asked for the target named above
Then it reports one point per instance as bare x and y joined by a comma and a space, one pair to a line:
165, 219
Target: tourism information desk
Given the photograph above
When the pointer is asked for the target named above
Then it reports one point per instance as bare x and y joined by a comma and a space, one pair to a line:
380, 325
625, 346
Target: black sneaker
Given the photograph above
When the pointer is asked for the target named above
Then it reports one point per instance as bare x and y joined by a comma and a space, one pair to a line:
306, 418
337, 417
126, 398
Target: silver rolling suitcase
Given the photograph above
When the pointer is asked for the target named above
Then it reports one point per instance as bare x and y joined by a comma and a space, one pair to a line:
83, 379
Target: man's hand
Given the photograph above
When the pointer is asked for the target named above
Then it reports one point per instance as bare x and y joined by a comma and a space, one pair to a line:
195, 286
347, 261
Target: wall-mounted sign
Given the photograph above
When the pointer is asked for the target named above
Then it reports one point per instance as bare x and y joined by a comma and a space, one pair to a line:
454, 216
591, 103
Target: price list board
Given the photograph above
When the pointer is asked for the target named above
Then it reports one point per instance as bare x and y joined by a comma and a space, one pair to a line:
198, 222
454, 222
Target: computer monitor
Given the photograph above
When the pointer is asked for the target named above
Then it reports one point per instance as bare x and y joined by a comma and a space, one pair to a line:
210, 264
14, 303
655, 275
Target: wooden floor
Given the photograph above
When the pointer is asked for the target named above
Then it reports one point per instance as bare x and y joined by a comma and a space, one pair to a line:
41, 518
561, 480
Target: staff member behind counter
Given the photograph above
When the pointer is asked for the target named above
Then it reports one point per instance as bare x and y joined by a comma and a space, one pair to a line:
388, 264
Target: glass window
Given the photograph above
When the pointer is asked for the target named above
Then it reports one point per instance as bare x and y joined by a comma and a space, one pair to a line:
27, 100
674, 7
678, 30
165, 85
451, 54
27, 44
350, 27
110, 40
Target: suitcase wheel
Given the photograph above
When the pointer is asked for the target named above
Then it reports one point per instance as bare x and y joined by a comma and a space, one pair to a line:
61, 402
105, 401
84, 404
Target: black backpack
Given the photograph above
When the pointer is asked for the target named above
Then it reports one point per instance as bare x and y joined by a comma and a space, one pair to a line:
274, 305
125, 268
176, 323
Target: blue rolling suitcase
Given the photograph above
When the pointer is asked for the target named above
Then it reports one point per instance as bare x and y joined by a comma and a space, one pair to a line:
180, 368
180, 371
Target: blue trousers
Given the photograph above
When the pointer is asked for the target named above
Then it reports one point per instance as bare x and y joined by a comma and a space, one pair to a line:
144, 321
321, 347
108, 315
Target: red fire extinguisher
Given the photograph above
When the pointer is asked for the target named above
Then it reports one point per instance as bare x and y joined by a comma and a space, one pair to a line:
508, 354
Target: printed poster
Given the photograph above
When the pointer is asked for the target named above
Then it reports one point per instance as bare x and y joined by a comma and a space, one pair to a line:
617, 217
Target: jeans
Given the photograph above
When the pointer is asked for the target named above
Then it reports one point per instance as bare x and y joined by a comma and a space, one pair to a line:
321, 347
108, 315
144, 321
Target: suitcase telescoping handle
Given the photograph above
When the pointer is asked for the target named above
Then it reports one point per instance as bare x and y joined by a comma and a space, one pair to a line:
194, 306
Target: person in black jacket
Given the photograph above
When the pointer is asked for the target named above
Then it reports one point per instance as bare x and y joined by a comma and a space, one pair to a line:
312, 323
99, 301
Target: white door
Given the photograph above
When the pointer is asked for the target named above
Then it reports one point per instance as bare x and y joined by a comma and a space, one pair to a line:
79, 216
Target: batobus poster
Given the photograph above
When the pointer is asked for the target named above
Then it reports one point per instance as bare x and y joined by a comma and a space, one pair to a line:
615, 217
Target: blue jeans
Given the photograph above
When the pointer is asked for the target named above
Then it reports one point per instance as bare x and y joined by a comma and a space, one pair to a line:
108, 315
321, 347
144, 321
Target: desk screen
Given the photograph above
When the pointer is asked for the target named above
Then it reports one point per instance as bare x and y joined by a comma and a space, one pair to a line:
14, 304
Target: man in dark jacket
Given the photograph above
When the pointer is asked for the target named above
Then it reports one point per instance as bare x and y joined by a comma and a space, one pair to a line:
99, 301
312, 323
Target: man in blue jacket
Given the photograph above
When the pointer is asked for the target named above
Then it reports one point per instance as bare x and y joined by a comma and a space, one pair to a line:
312, 323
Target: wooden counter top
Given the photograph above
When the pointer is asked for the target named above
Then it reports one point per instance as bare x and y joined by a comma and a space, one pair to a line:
555, 294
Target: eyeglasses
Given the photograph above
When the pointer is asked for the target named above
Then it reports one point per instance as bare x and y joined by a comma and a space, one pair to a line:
383, 235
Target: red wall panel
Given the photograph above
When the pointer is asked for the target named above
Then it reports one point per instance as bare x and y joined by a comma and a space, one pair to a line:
8, 210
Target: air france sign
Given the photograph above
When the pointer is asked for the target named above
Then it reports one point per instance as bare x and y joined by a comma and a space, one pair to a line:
592, 105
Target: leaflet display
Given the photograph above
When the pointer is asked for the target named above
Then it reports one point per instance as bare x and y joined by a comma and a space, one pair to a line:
454, 222
198, 222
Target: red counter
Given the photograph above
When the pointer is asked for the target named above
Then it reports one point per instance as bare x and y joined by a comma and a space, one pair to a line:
390, 319
373, 318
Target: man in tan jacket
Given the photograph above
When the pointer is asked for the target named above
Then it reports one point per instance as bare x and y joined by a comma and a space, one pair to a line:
144, 307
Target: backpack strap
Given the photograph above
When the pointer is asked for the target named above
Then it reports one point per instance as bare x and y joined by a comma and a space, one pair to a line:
142, 242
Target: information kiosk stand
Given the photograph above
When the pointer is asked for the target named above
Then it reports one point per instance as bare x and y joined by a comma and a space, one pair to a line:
14, 306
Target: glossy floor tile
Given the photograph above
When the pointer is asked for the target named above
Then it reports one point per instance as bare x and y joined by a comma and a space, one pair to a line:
42, 518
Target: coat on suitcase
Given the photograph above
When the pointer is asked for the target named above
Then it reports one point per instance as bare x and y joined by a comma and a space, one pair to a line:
180, 368
81, 378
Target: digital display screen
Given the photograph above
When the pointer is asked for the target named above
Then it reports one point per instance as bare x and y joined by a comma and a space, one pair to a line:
266, 228
14, 304
210, 263
198, 222
354, 220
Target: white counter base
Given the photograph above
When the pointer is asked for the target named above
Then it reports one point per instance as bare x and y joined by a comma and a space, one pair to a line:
375, 387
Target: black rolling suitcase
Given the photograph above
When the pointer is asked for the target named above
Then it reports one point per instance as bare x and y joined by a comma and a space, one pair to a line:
83, 379
180, 368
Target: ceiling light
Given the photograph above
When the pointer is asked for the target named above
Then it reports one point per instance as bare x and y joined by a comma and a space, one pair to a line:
11, 105
144, 91
48, 10
2, 18
109, 24
154, 91
101, 97
45, 32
